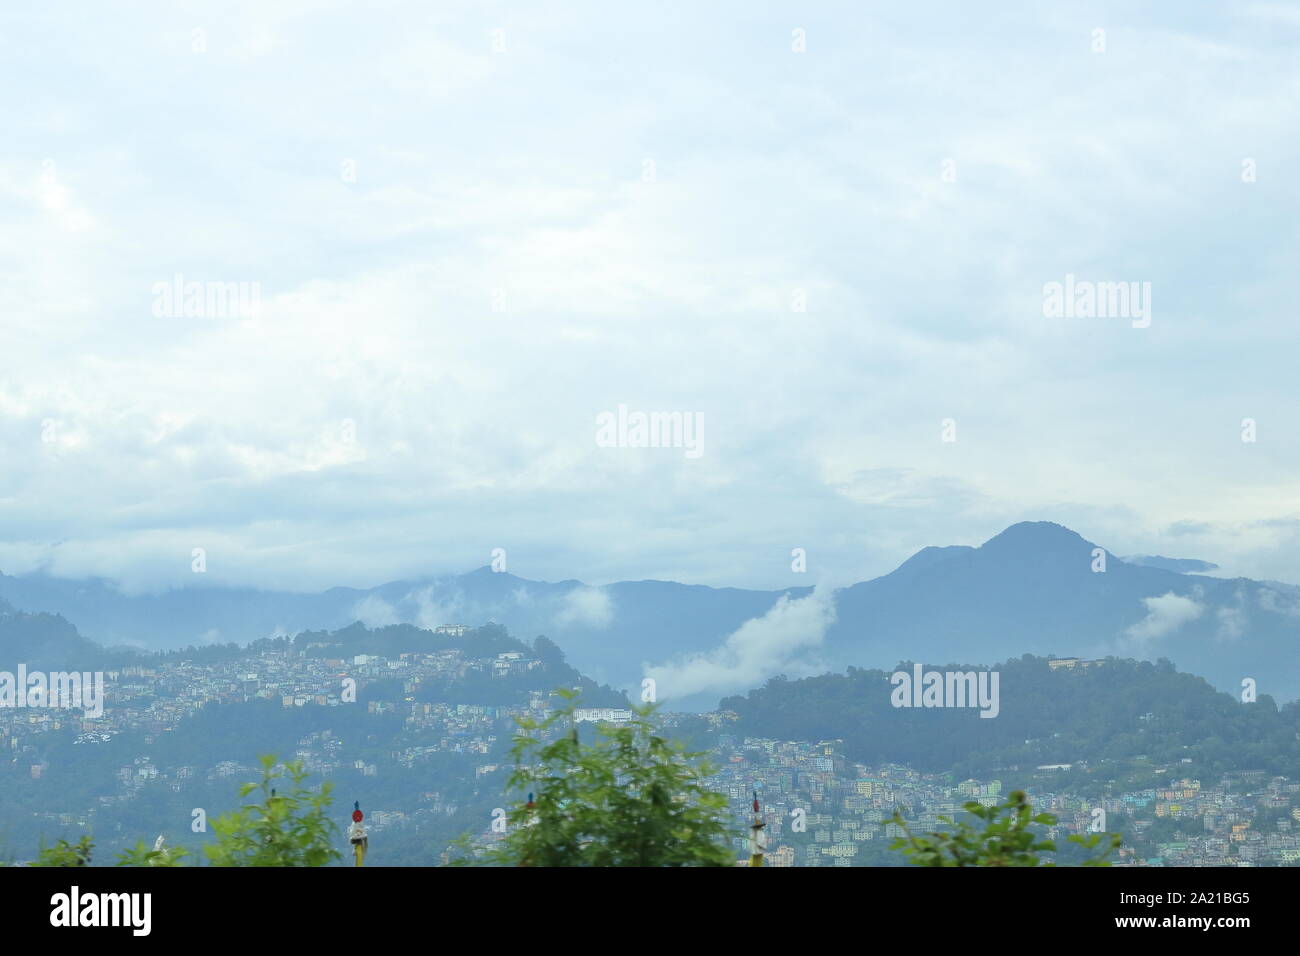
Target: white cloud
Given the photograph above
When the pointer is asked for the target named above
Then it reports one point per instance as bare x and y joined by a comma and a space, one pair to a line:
479, 172
779, 641
1165, 614
1232, 623
586, 607
434, 609
373, 611
1234, 618
1278, 602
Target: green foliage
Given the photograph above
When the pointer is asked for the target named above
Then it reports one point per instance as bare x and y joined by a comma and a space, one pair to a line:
283, 829
290, 828
142, 855
630, 798
64, 853
1006, 839
1106, 719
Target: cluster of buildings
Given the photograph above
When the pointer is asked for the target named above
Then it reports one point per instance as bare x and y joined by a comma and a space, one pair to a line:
820, 809
155, 698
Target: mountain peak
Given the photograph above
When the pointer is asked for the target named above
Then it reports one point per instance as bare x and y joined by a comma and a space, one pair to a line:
1036, 536
929, 557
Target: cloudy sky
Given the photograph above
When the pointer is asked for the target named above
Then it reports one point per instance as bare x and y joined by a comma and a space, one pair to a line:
472, 229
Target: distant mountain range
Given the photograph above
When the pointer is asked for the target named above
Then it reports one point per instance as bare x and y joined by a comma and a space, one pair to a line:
1188, 565
1036, 588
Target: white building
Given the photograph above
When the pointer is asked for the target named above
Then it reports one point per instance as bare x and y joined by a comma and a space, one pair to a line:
609, 715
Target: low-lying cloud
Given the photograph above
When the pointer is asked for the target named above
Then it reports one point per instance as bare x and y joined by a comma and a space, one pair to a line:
586, 607
760, 648
1165, 614
373, 611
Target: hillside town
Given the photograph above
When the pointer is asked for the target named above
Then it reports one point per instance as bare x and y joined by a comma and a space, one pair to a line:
823, 810
820, 809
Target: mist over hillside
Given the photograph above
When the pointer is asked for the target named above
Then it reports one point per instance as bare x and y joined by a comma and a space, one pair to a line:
1036, 588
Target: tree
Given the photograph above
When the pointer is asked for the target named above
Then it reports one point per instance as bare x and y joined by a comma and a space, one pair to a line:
292, 829
142, 855
632, 797
548, 652
64, 853
1006, 840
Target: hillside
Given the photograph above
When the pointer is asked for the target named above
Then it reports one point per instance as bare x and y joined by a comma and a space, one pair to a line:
44, 640
422, 738
1108, 717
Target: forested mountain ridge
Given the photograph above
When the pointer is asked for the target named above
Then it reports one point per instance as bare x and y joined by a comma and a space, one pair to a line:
1115, 712
41, 639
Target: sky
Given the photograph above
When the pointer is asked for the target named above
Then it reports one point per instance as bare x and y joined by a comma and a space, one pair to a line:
821, 234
